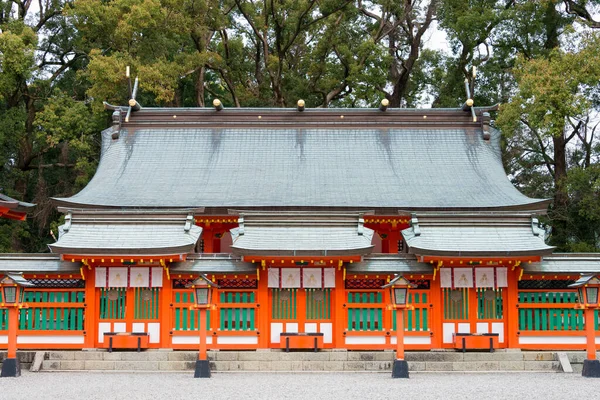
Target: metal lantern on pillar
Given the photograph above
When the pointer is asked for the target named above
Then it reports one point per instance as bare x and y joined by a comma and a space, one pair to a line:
13, 292
202, 293
203, 288
399, 290
588, 287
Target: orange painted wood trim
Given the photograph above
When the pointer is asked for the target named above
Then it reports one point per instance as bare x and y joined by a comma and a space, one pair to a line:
49, 346
339, 314
23, 332
367, 305
13, 322
92, 312
553, 333
55, 290
151, 260
475, 342
236, 305
236, 333
202, 355
129, 309
166, 309
263, 313
567, 306
512, 312
369, 333
301, 342
436, 312
56, 305
126, 341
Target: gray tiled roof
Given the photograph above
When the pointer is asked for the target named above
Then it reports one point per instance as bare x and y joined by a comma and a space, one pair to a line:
30, 263
212, 263
13, 204
566, 263
389, 263
302, 164
96, 233
297, 234
475, 235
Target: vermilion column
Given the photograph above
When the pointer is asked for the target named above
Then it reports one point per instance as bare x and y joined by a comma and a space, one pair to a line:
339, 311
166, 311
202, 354
590, 334
263, 312
399, 334
91, 312
436, 312
512, 310
13, 322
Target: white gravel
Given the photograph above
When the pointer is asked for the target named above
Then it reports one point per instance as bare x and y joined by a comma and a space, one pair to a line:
312, 386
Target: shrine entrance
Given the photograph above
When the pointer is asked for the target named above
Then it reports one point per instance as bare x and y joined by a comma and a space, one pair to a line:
473, 310
128, 302
305, 307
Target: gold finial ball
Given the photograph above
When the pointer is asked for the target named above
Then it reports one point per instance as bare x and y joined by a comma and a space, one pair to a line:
301, 103
132, 102
385, 102
216, 102
470, 102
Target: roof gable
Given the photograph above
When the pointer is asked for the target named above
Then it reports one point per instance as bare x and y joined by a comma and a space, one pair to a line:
326, 161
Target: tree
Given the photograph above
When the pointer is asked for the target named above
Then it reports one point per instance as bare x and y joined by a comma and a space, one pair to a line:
550, 110
46, 130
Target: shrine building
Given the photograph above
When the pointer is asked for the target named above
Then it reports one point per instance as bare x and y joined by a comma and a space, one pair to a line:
299, 218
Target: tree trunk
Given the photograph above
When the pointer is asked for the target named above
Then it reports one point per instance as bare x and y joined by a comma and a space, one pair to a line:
200, 87
558, 212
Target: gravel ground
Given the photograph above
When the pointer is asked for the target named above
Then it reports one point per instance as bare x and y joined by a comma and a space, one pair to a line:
331, 386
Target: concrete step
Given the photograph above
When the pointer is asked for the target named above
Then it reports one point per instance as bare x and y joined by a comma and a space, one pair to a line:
276, 360
25, 358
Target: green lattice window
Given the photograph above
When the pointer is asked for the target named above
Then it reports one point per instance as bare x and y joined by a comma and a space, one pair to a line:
489, 303
184, 318
113, 303
237, 318
45, 311
284, 303
318, 304
456, 304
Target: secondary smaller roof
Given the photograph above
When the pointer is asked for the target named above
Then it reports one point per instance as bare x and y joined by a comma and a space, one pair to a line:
300, 233
212, 263
88, 232
389, 263
32, 263
500, 235
12, 208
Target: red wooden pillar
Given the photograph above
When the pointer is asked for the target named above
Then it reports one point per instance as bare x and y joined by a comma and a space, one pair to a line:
207, 236
263, 312
393, 238
91, 311
436, 312
340, 312
166, 311
13, 321
400, 334
512, 310
202, 327
590, 334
